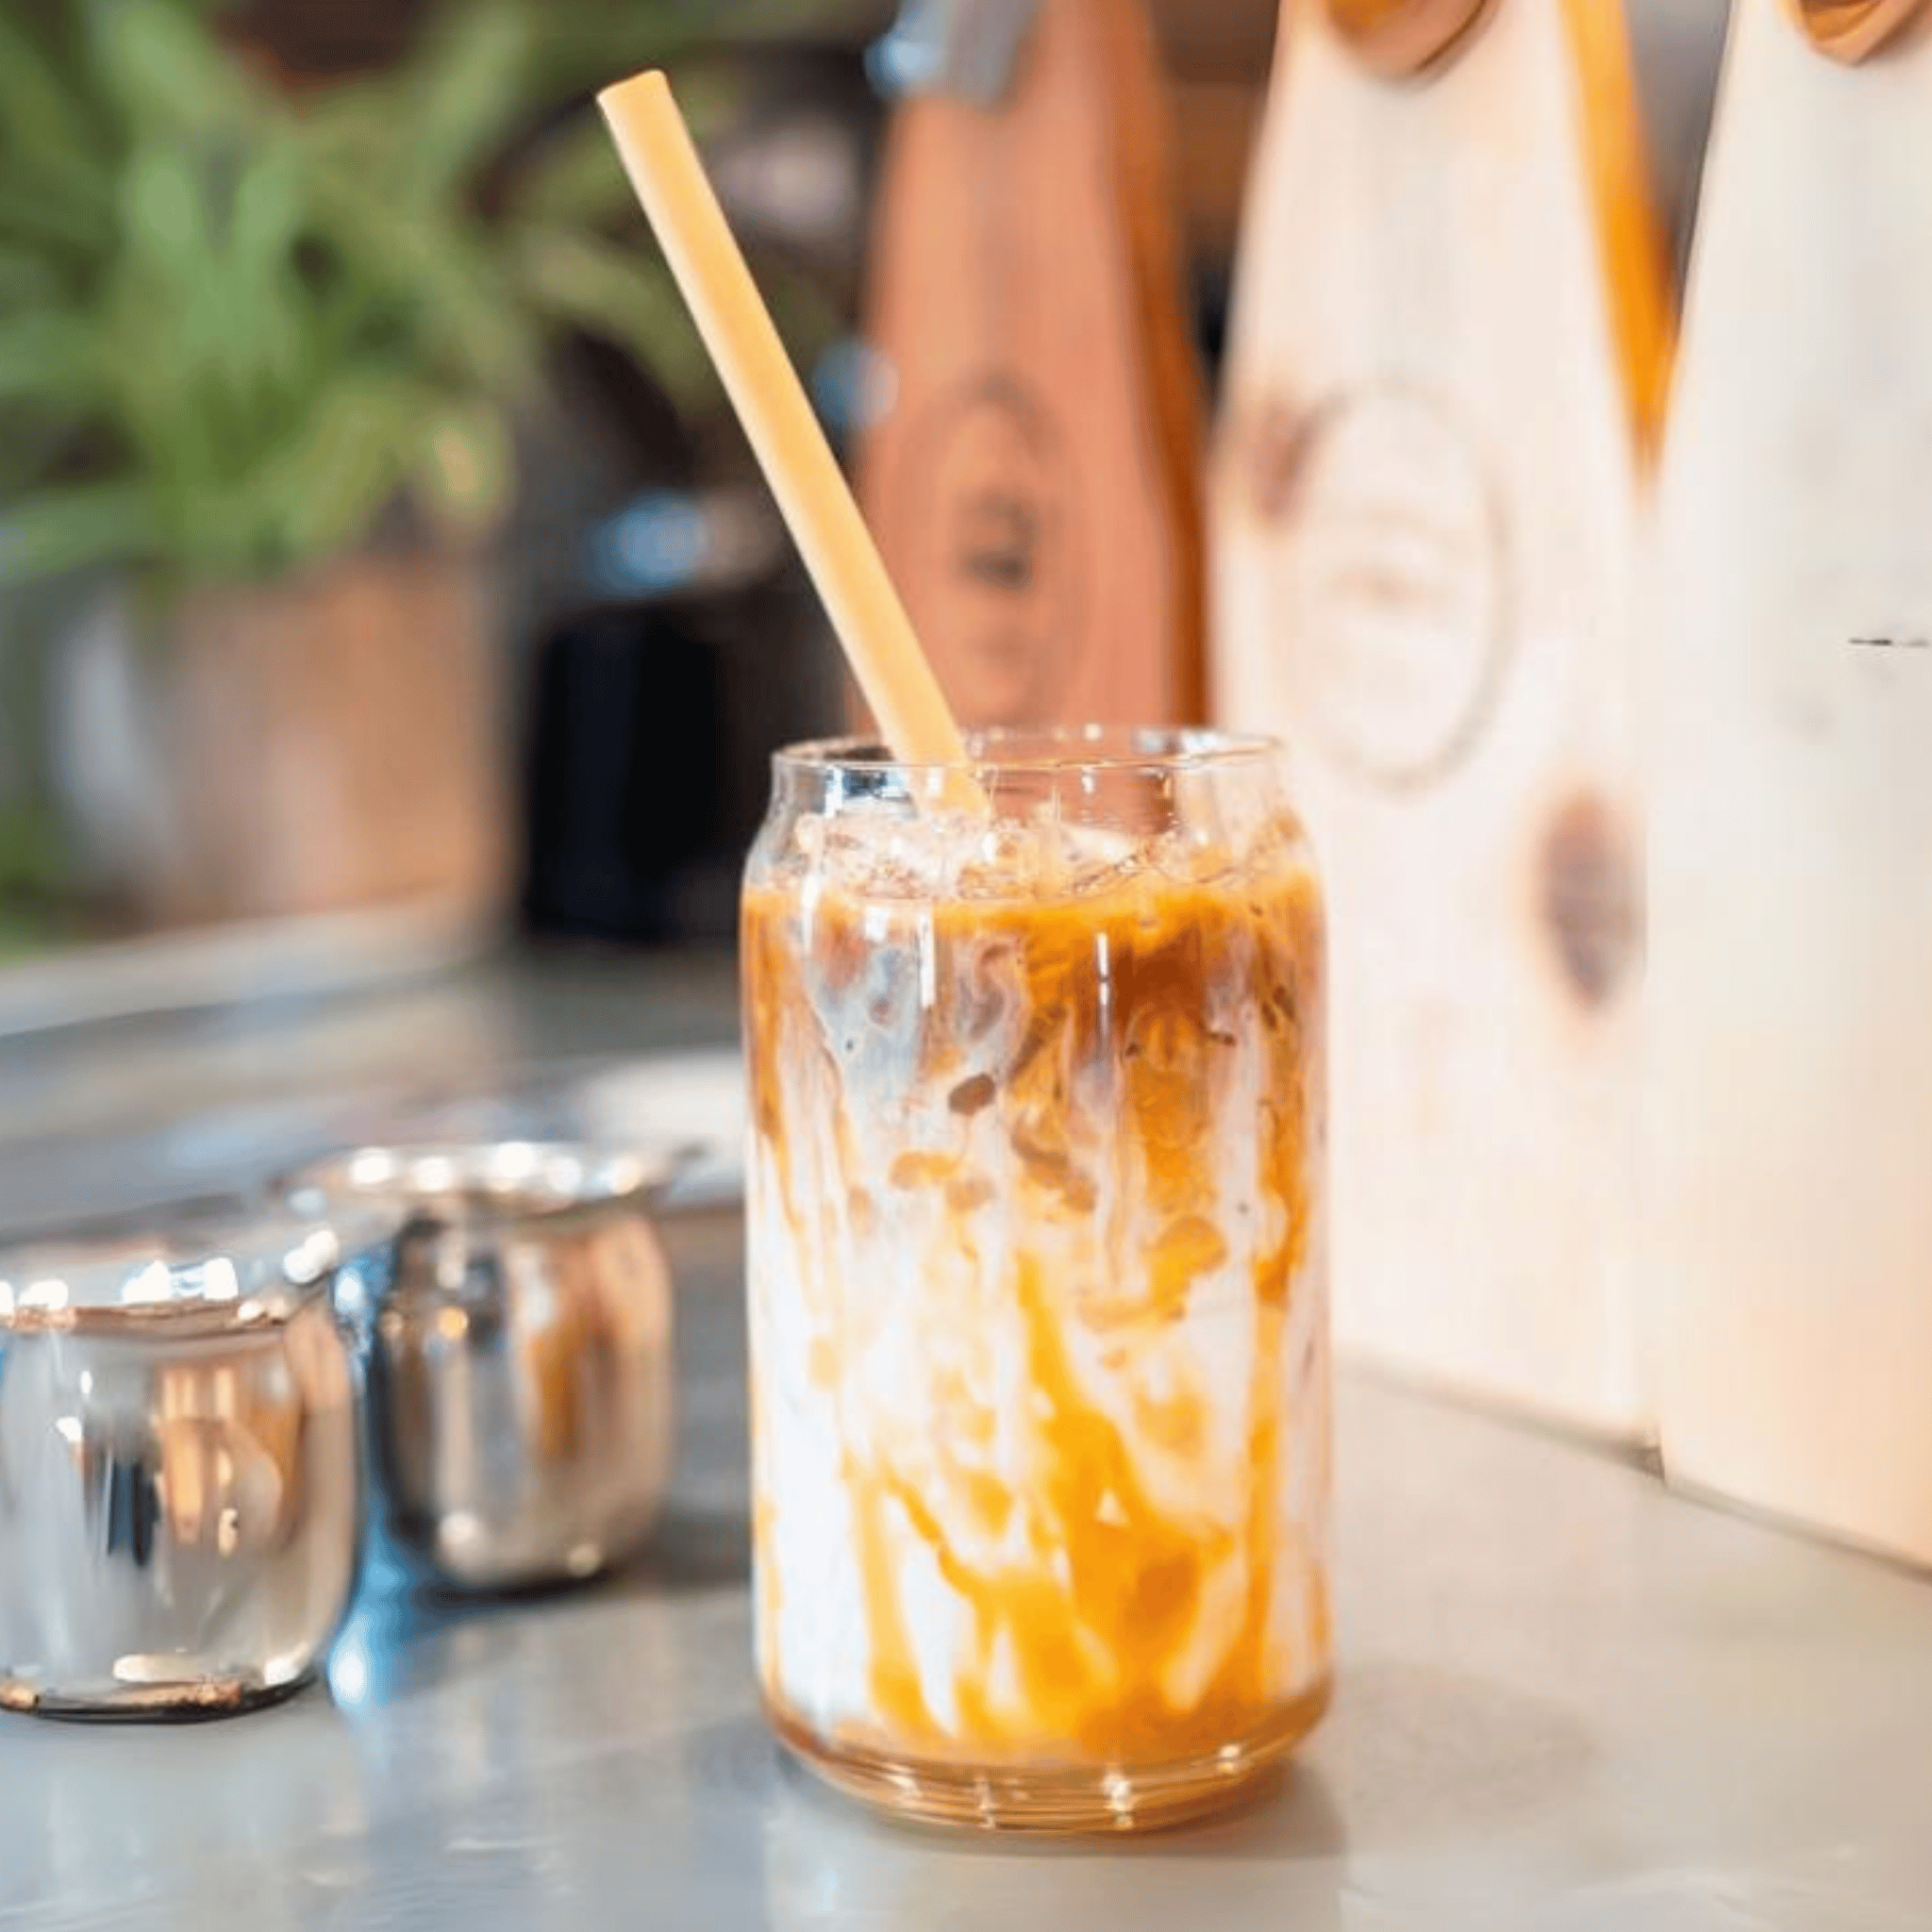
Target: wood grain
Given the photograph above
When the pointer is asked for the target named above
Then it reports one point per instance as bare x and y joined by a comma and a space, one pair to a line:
1035, 481
1427, 500
1789, 1106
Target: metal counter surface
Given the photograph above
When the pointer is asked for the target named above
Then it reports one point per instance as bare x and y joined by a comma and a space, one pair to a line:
1568, 1701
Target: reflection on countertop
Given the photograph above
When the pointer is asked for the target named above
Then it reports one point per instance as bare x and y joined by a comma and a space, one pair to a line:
120, 1112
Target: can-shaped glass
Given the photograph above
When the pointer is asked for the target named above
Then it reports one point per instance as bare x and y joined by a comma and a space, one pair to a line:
1036, 1274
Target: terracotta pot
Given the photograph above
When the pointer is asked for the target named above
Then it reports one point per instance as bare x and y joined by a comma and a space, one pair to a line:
333, 743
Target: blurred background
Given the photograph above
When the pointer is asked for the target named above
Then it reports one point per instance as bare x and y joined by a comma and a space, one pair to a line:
383, 581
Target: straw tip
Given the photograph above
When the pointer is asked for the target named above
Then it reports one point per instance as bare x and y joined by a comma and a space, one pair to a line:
652, 81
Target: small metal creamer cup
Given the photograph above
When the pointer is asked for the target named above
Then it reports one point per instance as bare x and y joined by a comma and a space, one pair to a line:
518, 1338
182, 1490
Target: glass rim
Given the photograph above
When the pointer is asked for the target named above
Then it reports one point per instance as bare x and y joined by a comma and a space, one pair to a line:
1060, 749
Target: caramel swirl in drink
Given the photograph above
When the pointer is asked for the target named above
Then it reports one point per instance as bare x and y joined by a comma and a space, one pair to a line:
1039, 1326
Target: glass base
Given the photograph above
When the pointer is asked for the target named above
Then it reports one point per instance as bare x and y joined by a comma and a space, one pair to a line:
1054, 1799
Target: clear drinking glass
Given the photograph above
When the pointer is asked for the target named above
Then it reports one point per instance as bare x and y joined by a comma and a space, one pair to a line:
1038, 1288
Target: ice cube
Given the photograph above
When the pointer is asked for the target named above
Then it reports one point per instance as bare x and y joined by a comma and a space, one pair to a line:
1193, 857
1000, 862
1095, 859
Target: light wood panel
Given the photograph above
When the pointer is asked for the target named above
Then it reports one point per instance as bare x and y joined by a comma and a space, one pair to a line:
1448, 338
1789, 719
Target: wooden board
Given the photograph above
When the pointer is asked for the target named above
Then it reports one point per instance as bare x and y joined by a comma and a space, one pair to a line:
1789, 1113
1448, 349
1035, 482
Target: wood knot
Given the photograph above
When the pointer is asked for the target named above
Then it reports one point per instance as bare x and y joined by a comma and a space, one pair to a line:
1272, 445
1588, 896
1397, 38
1854, 30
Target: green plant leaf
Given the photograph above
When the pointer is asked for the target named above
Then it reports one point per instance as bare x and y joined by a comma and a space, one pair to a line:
47, 361
356, 129
706, 98
621, 295
163, 216
39, 110
261, 297
268, 208
32, 851
808, 320
30, 446
29, 218
434, 276
27, 281
282, 315
48, 143
463, 469
161, 319
341, 471
165, 73
574, 179
464, 86
592, 41
69, 529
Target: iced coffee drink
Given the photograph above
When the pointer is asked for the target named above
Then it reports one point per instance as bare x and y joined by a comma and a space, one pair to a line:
1039, 1374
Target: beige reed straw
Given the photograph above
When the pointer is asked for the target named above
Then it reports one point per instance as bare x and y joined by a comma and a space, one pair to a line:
878, 636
